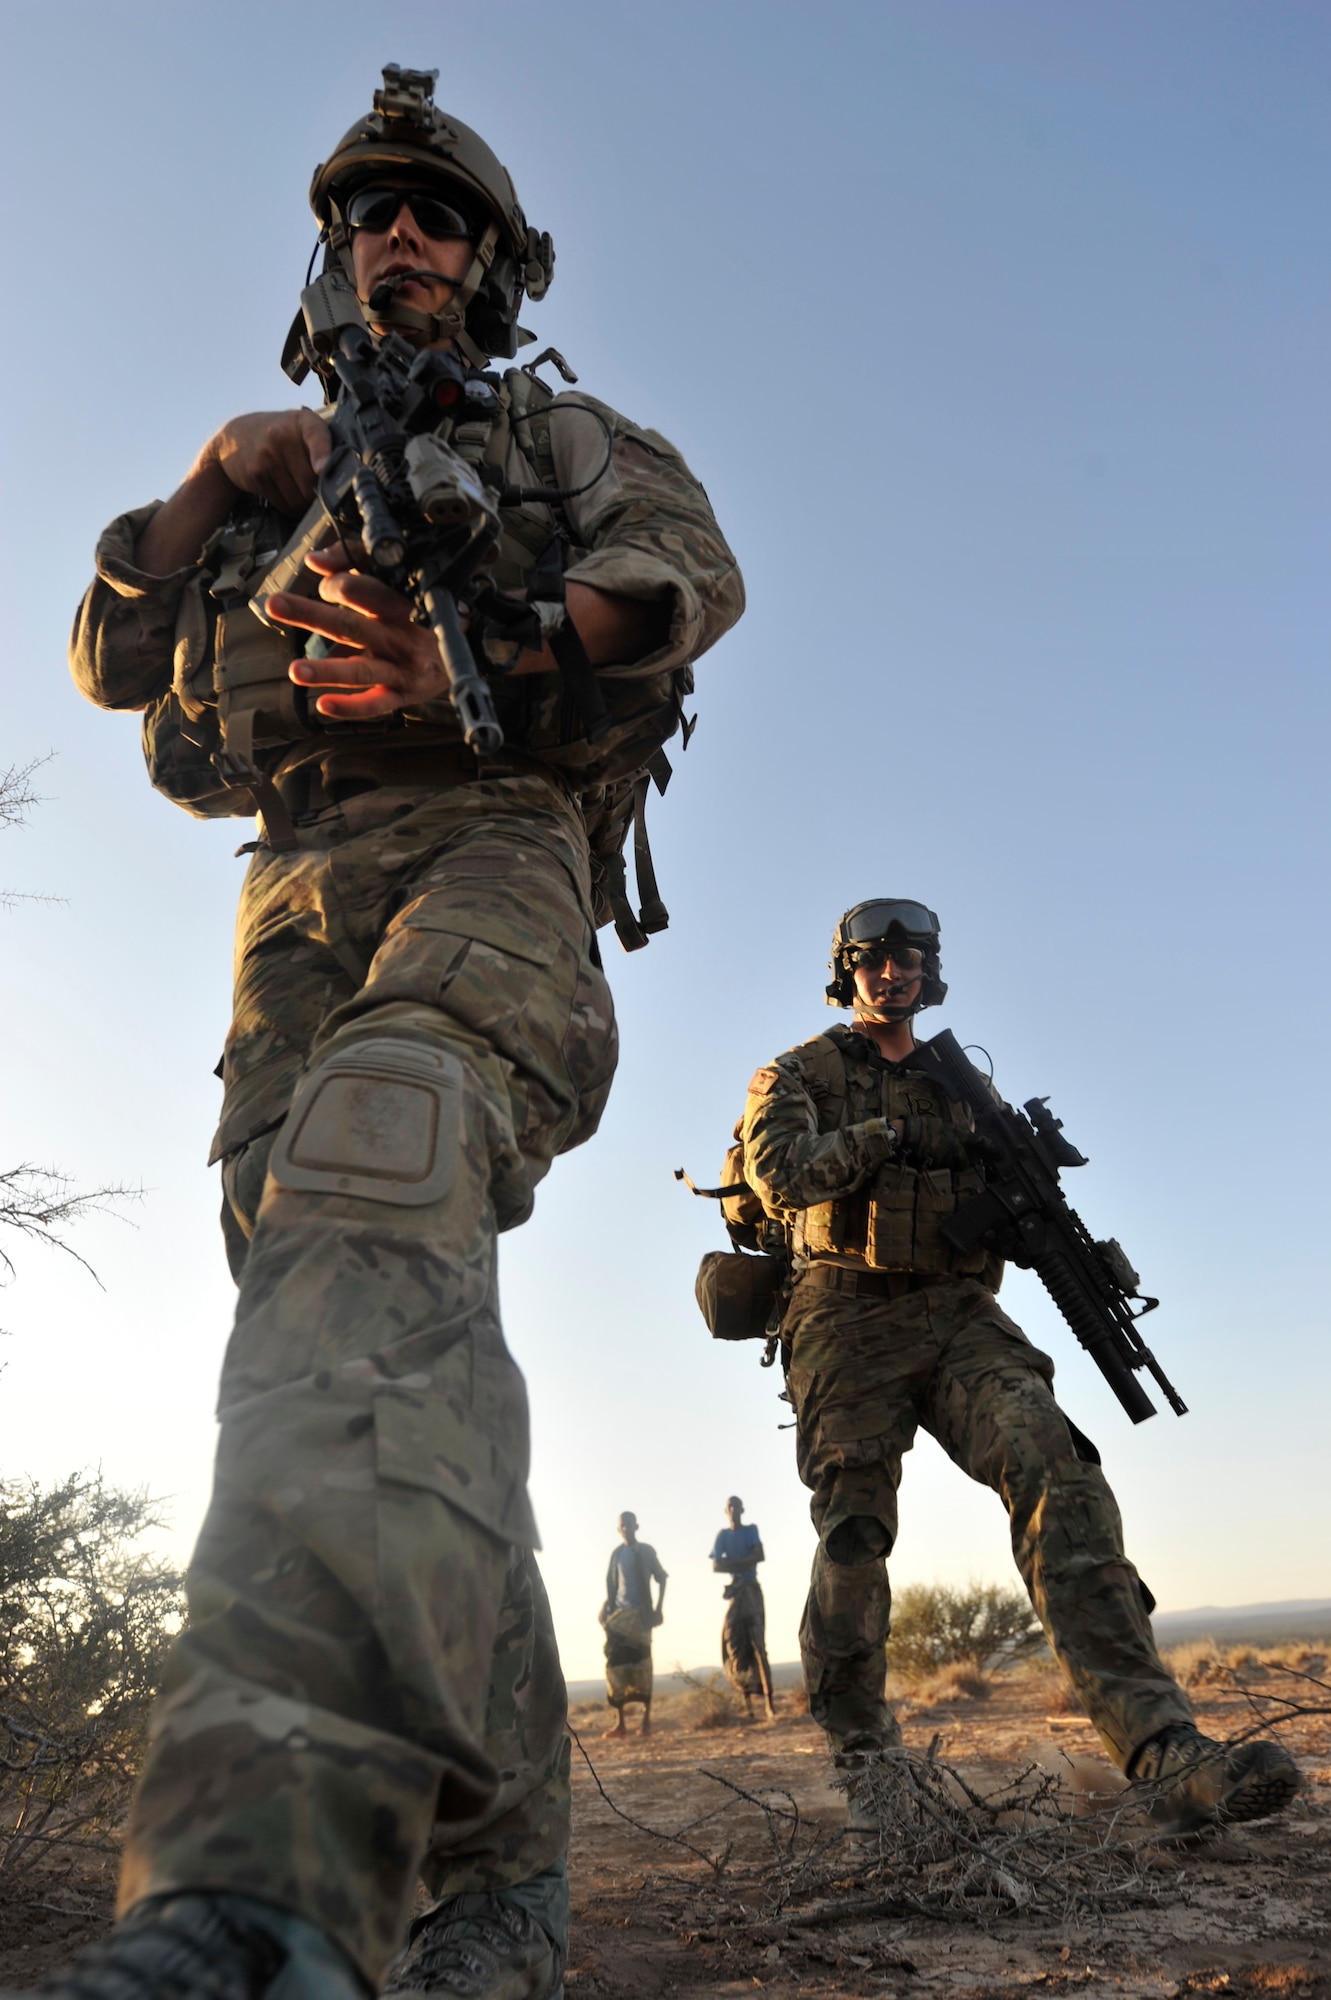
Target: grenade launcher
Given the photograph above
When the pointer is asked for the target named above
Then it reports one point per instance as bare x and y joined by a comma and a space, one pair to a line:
1024, 1215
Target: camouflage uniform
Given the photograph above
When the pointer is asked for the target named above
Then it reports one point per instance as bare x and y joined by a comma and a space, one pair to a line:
368, 1685
916, 1337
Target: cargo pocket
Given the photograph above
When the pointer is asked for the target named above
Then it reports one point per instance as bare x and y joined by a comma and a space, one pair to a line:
478, 965
861, 1433
435, 1443
452, 1506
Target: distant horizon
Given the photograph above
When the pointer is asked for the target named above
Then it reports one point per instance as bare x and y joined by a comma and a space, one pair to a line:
1278, 1606
788, 1673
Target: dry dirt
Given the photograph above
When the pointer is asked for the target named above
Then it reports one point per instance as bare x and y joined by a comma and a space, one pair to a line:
1238, 1912
1243, 1911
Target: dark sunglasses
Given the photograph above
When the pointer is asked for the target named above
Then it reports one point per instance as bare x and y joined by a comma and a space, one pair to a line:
873, 957
378, 208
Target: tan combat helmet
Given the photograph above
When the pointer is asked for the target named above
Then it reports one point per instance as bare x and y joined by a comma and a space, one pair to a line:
407, 137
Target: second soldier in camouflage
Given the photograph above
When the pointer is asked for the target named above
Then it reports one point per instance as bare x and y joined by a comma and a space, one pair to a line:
860, 1157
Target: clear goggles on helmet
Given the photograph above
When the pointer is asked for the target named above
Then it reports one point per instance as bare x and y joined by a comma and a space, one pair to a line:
869, 923
378, 208
874, 957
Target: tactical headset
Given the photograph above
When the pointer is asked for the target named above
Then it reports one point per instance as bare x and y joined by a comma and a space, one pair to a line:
878, 921
406, 141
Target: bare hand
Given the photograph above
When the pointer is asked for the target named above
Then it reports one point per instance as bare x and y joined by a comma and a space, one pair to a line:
272, 453
391, 663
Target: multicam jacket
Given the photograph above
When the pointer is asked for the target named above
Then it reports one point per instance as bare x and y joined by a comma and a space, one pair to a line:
818, 1151
644, 529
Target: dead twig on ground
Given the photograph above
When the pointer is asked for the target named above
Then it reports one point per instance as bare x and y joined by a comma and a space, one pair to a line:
716, 1863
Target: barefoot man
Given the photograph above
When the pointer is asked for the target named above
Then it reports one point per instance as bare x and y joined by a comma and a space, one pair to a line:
736, 1553
629, 1616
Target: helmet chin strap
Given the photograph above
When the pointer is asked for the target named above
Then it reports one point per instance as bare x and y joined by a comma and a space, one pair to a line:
450, 322
891, 1016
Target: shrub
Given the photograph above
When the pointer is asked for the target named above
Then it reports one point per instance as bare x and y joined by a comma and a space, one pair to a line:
982, 1625
1208, 1662
950, 1684
707, 1704
85, 1621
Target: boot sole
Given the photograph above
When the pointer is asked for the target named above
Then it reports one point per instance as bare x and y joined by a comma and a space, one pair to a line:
1257, 1797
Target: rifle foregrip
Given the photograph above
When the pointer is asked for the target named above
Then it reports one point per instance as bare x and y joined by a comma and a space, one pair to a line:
1098, 1336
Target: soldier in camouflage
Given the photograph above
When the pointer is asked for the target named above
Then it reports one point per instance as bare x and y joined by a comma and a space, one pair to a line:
367, 1690
860, 1157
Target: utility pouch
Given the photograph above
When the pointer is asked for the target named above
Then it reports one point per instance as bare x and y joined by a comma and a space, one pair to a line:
938, 1196
890, 1231
822, 1228
737, 1294
907, 1208
258, 705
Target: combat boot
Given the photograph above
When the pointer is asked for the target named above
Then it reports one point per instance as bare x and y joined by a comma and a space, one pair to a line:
208, 1947
478, 1946
1195, 1781
876, 1790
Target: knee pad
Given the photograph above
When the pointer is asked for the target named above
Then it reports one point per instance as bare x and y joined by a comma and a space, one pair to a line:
859, 1539
380, 1119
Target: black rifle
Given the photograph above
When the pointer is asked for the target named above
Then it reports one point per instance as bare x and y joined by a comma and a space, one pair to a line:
1024, 1215
427, 520
424, 518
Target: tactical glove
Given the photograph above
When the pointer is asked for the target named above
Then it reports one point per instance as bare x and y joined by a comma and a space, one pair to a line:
937, 1142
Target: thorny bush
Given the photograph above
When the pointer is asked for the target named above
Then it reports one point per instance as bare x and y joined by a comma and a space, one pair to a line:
981, 1625
85, 1621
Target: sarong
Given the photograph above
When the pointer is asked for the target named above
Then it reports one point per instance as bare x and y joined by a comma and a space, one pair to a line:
628, 1657
744, 1637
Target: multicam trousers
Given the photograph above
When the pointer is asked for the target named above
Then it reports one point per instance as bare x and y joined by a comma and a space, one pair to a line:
864, 1374
368, 1686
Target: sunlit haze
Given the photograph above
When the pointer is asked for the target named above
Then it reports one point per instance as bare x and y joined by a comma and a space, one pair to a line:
997, 335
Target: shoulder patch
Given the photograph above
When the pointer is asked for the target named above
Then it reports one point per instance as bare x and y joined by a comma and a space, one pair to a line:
764, 1081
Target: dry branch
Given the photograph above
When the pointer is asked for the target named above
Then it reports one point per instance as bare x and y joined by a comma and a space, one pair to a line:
40, 1202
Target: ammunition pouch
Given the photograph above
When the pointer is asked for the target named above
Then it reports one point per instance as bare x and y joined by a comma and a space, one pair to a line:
259, 706
739, 1295
896, 1224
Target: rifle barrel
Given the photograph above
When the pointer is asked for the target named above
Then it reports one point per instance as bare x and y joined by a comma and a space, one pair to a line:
472, 701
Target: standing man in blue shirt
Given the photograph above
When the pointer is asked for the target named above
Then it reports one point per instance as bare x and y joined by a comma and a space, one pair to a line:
629, 1617
736, 1553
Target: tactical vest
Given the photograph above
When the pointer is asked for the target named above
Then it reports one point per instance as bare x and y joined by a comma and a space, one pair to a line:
248, 731
892, 1222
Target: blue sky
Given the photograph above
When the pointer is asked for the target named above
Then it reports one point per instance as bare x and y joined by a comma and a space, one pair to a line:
997, 333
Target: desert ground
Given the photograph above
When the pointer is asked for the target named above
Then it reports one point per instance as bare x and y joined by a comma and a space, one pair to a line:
1089, 1896
711, 1858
